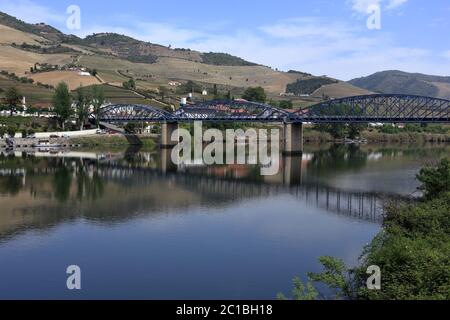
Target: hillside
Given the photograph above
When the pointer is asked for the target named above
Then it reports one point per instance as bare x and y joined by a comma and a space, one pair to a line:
406, 83
41, 29
48, 56
134, 50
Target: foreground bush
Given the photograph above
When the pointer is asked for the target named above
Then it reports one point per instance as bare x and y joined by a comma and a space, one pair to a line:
412, 251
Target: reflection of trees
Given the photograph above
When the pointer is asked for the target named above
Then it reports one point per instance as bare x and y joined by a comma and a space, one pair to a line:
338, 158
87, 187
10, 184
61, 183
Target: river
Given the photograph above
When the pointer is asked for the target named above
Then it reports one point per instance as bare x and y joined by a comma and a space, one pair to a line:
140, 228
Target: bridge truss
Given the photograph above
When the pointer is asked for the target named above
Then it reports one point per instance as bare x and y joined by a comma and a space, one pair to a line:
377, 108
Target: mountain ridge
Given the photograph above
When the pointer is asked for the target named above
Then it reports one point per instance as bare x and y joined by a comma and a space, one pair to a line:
396, 81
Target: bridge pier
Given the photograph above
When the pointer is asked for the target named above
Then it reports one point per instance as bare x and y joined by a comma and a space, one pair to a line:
292, 170
167, 129
167, 164
293, 138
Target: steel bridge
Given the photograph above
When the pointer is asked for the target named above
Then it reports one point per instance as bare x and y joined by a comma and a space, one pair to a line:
377, 108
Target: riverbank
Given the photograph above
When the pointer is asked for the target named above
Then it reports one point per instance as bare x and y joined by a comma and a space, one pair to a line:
313, 136
115, 140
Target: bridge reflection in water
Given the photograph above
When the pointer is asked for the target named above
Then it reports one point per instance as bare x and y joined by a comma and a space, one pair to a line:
224, 182
41, 190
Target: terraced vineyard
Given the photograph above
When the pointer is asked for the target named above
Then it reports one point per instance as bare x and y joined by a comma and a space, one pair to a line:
35, 96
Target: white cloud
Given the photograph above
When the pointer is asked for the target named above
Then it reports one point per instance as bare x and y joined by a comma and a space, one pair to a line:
361, 6
31, 12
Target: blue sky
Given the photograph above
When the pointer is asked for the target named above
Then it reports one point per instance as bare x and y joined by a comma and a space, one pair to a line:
317, 36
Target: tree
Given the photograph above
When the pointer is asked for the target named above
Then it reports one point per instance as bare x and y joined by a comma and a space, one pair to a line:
354, 130
130, 128
98, 99
300, 291
11, 132
435, 181
255, 94
2, 132
83, 103
62, 103
130, 84
286, 104
337, 130
163, 92
12, 97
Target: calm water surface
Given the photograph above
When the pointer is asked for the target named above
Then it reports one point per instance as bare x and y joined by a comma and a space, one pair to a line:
140, 228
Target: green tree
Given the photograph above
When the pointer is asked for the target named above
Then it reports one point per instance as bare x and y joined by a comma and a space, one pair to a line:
255, 94
335, 276
2, 132
130, 84
163, 92
435, 181
300, 291
286, 104
354, 130
98, 99
12, 98
130, 128
337, 130
62, 103
83, 104
11, 131
412, 251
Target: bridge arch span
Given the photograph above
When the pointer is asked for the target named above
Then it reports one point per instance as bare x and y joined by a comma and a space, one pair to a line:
134, 112
231, 110
378, 108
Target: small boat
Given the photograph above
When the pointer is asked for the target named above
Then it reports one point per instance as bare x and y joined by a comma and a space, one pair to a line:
46, 144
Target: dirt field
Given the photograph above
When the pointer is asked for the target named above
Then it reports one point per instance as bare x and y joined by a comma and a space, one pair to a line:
339, 90
19, 61
9, 35
72, 78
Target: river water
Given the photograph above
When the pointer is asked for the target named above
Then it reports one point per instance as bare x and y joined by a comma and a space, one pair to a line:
140, 228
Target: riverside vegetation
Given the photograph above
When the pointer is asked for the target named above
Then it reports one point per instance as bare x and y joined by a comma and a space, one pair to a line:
412, 251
